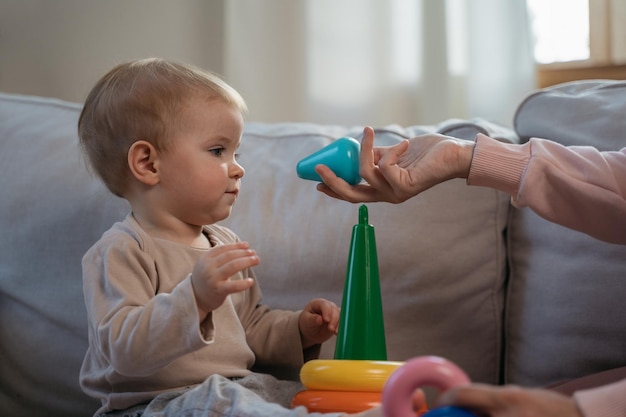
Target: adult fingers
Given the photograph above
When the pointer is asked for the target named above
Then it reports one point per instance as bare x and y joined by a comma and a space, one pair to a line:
479, 397
336, 187
368, 160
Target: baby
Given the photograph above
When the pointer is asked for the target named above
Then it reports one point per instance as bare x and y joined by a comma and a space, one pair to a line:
175, 315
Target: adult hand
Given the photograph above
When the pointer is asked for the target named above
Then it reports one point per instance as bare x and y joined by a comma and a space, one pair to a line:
211, 275
396, 173
510, 401
318, 322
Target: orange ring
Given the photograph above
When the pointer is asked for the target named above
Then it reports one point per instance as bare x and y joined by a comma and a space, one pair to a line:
347, 401
317, 401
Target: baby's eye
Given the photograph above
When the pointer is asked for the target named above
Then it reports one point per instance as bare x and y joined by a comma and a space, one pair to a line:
217, 151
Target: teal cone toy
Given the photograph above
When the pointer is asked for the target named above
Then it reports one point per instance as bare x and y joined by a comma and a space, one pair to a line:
361, 333
341, 156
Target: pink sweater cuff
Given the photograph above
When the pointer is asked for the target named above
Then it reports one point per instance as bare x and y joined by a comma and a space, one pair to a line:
498, 165
606, 401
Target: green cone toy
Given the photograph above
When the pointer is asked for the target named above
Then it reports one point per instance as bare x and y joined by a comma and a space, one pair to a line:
361, 333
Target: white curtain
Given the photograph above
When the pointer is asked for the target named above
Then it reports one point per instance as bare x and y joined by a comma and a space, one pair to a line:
379, 62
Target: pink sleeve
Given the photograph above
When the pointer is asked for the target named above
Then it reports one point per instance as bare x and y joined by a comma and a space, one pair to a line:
606, 401
577, 187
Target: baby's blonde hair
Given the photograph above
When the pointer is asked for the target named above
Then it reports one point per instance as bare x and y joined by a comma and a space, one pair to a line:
140, 100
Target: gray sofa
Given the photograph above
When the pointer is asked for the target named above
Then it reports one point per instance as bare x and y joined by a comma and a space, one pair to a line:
506, 295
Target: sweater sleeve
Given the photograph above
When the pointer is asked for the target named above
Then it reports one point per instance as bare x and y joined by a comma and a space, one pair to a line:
272, 334
129, 323
577, 187
606, 401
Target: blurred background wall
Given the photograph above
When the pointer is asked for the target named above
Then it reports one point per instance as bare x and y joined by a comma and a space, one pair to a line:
347, 62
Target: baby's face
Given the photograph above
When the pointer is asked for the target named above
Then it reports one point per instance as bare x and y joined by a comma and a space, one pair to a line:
199, 175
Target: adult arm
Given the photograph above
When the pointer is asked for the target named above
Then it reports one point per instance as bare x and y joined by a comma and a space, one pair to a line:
512, 401
578, 187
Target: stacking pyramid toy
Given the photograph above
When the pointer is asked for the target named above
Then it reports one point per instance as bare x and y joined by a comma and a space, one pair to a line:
354, 380
341, 156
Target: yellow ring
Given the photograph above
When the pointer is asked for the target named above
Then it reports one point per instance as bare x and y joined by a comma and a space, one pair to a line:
347, 375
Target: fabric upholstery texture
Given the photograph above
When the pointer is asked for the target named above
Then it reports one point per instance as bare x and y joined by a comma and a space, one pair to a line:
51, 210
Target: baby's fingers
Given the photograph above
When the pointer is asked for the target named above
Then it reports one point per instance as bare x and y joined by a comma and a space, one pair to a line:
237, 285
235, 260
211, 277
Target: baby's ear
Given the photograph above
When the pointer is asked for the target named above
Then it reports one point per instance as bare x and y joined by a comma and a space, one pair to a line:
142, 158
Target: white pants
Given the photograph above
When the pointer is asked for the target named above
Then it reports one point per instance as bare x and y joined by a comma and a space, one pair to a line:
257, 395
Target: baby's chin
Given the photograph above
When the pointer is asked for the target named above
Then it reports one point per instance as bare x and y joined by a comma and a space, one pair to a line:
222, 215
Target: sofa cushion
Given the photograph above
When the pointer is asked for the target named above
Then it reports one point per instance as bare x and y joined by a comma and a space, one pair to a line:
51, 211
565, 302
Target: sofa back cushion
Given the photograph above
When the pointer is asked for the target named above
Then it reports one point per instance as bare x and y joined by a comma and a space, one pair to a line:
565, 302
51, 211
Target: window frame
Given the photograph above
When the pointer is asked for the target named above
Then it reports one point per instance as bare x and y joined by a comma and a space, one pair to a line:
607, 54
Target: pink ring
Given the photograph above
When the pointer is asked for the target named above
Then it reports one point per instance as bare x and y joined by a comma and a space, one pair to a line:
415, 373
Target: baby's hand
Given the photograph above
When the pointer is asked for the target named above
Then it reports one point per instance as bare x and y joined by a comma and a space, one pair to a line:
211, 276
318, 322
